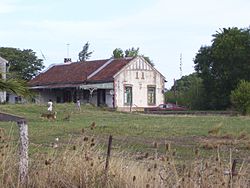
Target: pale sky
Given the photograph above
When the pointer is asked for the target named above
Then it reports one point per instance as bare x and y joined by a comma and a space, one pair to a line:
162, 29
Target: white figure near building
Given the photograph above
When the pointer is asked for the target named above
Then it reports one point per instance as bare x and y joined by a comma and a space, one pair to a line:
78, 105
50, 106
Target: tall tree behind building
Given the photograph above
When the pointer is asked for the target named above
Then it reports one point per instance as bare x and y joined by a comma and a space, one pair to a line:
85, 54
223, 64
131, 52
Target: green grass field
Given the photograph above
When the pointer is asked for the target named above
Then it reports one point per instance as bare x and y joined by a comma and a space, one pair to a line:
135, 133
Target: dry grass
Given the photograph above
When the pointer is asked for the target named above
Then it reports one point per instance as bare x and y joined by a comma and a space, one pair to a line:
80, 163
216, 139
215, 130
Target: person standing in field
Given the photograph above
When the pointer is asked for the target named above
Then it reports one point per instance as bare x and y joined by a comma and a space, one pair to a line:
78, 105
50, 106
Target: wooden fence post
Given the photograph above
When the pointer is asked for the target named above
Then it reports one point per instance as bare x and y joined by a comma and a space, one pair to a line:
107, 161
23, 151
108, 153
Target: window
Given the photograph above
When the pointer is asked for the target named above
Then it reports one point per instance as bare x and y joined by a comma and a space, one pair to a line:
128, 95
142, 75
151, 95
137, 76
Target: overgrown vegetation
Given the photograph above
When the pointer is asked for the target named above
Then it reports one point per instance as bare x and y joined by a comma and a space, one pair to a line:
148, 150
134, 133
240, 97
80, 162
187, 91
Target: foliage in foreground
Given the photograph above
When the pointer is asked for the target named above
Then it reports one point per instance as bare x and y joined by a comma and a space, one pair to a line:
80, 163
16, 86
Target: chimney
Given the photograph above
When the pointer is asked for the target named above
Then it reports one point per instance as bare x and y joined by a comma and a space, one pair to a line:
67, 60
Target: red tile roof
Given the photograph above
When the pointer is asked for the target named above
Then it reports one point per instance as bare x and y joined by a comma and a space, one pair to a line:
78, 72
110, 70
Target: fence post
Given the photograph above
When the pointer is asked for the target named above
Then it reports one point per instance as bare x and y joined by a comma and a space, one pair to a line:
107, 160
23, 151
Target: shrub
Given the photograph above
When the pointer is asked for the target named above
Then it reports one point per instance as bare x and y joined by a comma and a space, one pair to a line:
240, 97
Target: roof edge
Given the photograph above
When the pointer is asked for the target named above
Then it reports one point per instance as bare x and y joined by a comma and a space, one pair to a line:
4, 60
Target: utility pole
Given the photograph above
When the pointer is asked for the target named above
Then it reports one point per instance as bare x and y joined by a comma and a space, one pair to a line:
175, 92
181, 65
67, 50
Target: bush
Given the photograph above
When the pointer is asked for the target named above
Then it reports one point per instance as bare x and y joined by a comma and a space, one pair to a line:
240, 97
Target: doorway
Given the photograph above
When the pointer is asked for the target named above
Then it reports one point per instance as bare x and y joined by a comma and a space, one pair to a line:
101, 97
67, 96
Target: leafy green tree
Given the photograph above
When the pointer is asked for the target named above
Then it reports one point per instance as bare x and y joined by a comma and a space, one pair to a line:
187, 91
223, 64
203, 60
131, 52
240, 97
24, 63
85, 54
118, 53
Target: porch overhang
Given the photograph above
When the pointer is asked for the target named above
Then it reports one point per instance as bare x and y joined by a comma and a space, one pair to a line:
97, 86
108, 85
56, 86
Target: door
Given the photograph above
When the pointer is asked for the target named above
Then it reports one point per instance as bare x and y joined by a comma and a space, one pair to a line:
128, 96
67, 97
101, 97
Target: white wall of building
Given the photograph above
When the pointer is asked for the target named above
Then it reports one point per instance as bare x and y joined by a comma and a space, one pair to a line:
2, 96
14, 99
139, 74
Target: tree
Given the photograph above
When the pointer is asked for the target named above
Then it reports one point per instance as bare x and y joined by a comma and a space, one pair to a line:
24, 63
84, 54
223, 64
16, 86
131, 52
240, 97
187, 91
118, 53
203, 60
148, 60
